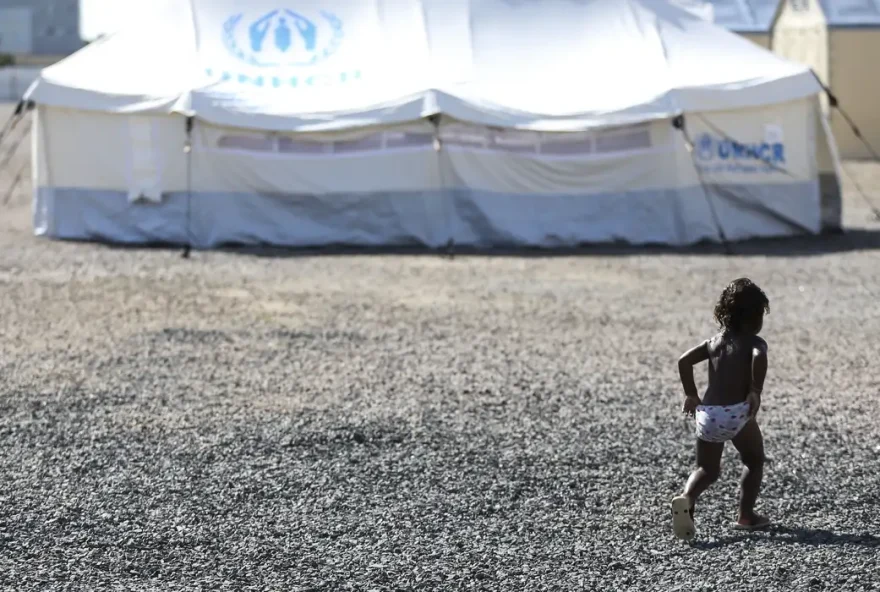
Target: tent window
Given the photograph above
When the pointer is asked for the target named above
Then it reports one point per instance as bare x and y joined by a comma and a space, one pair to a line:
291, 146
464, 139
620, 140
626, 141
368, 144
407, 140
521, 144
565, 146
248, 143
288, 145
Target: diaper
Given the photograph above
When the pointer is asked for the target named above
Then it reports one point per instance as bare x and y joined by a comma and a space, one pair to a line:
720, 423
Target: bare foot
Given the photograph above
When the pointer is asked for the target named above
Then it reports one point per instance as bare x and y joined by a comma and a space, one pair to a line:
753, 522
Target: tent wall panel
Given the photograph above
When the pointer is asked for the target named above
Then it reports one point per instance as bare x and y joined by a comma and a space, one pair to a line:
72, 155
395, 158
391, 186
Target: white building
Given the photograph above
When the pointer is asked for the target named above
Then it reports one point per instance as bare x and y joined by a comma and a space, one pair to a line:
35, 33
840, 41
39, 27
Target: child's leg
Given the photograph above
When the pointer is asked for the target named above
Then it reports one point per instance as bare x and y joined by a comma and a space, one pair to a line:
750, 444
708, 470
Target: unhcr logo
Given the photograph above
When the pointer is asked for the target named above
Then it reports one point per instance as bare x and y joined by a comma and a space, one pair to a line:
282, 38
277, 44
711, 149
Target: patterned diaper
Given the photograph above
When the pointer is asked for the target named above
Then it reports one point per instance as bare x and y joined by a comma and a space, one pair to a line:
720, 423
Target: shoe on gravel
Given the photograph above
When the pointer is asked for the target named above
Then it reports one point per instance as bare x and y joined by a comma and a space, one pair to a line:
682, 521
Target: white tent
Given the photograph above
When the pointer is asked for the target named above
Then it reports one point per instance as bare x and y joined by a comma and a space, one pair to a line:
380, 122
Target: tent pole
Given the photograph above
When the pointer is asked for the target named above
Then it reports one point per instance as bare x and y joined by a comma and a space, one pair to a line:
187, 150
438, 149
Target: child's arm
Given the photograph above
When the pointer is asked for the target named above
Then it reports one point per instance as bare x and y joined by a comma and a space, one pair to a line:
686, 364
759, 372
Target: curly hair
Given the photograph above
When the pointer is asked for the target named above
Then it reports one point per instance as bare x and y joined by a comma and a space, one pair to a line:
741, 302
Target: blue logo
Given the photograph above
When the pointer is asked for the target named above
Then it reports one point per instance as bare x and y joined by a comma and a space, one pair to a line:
709, 148
705, 147
282, 38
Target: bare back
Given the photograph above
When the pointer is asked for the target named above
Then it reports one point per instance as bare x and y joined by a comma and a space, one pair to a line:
730, 367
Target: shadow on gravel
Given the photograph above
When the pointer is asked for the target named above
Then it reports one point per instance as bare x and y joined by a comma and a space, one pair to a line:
853, 239
791, 535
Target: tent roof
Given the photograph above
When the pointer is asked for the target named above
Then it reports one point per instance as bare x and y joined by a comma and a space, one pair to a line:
745, 16
851, 13
553, 65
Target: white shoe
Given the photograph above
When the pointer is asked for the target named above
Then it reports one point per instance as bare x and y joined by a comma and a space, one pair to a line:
682, 521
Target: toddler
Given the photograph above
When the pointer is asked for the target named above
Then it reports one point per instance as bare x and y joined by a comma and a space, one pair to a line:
737, 366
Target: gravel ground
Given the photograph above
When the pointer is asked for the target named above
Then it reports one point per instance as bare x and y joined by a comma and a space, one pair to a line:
253, 421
